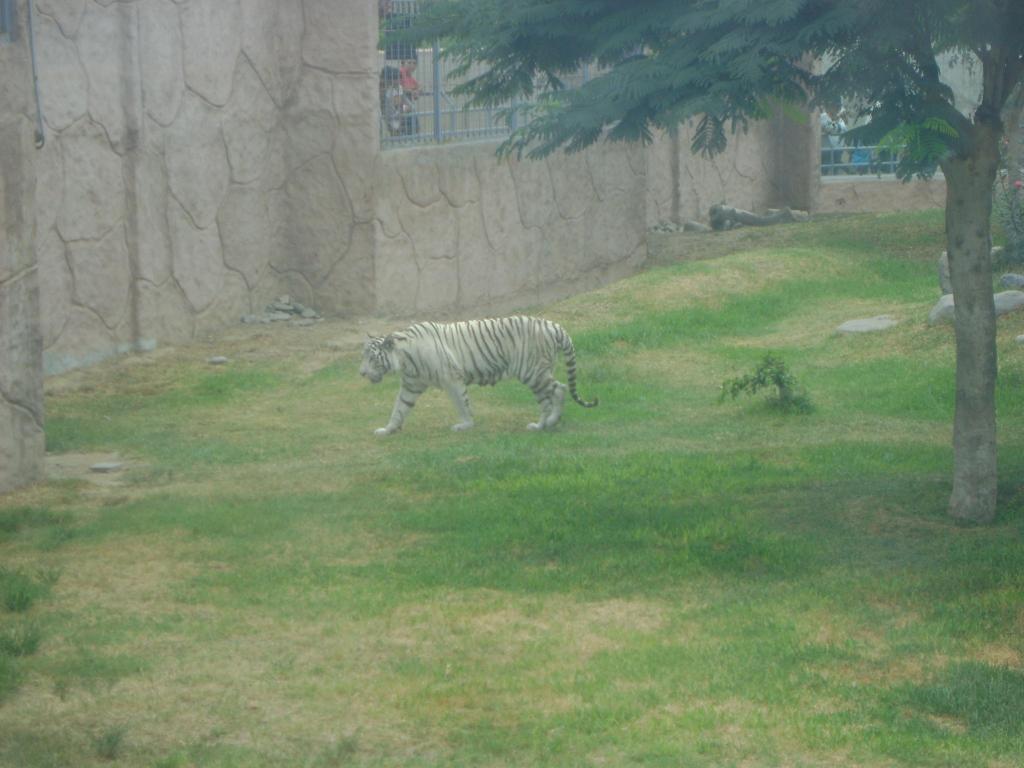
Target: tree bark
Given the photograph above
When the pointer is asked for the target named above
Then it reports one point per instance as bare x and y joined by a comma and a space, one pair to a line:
969, 183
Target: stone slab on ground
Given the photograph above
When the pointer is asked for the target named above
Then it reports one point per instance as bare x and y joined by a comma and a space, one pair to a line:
1012, 280
867, 324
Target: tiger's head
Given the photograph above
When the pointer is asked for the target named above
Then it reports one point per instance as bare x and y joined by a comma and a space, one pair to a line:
378, 357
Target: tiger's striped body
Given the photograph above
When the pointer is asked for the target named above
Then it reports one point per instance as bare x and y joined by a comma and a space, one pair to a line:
451, 355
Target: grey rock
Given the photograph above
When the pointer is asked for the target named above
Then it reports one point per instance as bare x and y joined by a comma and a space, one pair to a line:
217, 360
943, 311
1011, 280
308, 313
276, 317
106, 466
867, 325
1008, 301
945, 284
250, 319
1020, 339
304, 322
1005, 301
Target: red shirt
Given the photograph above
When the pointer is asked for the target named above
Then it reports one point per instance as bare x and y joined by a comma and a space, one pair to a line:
406, 80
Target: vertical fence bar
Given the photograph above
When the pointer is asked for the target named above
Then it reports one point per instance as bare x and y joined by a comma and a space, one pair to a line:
438, 132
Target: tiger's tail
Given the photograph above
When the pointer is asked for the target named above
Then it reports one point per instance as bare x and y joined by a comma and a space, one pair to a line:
569, 352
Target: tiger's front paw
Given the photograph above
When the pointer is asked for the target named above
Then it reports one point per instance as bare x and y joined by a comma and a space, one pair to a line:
462, 426
535, 426
382, 431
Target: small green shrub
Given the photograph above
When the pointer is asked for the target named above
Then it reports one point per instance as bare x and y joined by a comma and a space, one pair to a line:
770, 374
19, 590
108, 744
21, 640
338, 754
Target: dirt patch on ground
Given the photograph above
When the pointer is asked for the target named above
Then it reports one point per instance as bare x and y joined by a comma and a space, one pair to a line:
308, 347
103, 469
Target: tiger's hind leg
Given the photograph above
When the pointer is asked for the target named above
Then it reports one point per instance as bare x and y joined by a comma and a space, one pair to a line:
460, 398
557, 401
550, 396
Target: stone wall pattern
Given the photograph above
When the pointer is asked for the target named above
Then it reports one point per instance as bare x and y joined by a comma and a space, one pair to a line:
459, 231
206, 156
873, 195
22, 445
202, 157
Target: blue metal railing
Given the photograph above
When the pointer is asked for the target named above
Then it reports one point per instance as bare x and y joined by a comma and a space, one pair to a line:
858, 160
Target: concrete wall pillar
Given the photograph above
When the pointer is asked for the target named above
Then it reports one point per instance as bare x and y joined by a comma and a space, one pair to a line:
795, 141
22, 445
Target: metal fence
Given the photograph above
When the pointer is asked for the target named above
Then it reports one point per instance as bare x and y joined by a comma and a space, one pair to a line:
857, 160
417, 105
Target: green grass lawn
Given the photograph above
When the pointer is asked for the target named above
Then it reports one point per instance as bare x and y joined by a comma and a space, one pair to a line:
665, 580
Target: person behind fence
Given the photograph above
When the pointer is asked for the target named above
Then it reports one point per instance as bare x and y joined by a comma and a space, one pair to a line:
392, 105
833, 126
410, 85
860, 158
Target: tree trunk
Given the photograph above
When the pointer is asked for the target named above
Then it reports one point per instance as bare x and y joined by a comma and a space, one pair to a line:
968, 209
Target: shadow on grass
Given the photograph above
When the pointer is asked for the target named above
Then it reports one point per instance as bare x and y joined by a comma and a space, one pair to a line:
987, 700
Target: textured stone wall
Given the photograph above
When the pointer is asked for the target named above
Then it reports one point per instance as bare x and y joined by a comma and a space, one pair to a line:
683, 186
21, 375
458, 230
872, 195
203, 157
770, 165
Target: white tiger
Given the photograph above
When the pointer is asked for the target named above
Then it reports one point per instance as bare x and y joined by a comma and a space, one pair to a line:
451, 355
